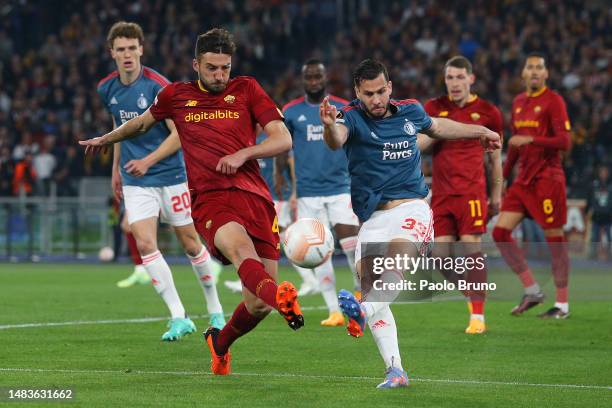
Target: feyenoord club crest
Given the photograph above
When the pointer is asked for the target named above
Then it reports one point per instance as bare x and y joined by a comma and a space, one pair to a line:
142, 102
409, 128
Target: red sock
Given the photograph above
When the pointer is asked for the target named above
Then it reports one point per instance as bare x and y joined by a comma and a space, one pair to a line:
240, 324
477, 306
131, 241
560, 265
254, 277
512, 255
478, 275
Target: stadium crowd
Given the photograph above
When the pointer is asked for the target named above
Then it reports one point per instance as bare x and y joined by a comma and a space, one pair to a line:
49, 69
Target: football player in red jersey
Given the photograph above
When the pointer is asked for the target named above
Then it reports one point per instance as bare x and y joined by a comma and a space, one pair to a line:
459, 192
540, 131
216, 118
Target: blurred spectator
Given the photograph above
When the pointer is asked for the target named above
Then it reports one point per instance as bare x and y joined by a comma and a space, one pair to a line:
24, 176
6, 172
44, 162
25, 147
599, 207
69, 171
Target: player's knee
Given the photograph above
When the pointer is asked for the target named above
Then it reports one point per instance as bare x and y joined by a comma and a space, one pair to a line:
146, 246
501, 234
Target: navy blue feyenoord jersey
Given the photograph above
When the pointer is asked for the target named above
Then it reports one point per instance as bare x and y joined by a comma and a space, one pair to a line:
266, 167
319, 171
384, 160
125, 102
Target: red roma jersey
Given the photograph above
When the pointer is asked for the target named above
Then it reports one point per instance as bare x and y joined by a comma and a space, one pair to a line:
543, 116
458, 165
213, 125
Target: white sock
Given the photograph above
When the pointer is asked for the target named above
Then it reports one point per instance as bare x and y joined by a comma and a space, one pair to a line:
564, 306
383, 328
327, 284
161, 278
348, 246
202, 264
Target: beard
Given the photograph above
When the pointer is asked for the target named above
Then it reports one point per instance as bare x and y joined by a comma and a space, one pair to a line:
214, 87
317, 95
378, 116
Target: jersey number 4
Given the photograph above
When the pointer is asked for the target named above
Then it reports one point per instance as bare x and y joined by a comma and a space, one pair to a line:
182, 202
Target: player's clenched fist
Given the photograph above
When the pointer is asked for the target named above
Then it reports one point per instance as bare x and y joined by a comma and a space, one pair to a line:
490, 140
327, 112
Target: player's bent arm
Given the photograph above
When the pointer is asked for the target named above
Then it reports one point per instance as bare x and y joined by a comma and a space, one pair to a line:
278, 141
335, 135
168, 147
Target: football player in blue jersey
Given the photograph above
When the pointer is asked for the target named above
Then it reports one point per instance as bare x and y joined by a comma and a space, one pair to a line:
388, 193
149, 174
322, 192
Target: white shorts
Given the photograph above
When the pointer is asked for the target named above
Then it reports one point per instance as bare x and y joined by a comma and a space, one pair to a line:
283, 211
172, 202
412, 221
330, 210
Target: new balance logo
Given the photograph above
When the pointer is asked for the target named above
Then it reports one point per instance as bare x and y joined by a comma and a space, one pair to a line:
379, 325
113, 101
191, 103
302, 118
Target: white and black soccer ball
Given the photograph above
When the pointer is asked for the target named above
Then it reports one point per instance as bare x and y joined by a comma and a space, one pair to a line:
308, 243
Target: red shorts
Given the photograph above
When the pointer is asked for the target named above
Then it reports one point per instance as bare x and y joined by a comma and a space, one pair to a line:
458, 215
213, 209
544, 201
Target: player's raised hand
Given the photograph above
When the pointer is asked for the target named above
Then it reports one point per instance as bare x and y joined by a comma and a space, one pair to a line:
231, 163
96, 145
327, 112
137, 168
490, 140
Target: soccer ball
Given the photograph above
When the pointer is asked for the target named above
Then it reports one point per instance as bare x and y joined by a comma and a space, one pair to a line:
106, 254
308, 243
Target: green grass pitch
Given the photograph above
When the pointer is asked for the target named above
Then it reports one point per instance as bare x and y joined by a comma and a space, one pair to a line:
520, 362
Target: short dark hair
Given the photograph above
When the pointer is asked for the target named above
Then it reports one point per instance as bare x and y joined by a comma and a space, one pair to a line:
535, 54
217, 40
124, 29
369, 69
459, 61
313, 61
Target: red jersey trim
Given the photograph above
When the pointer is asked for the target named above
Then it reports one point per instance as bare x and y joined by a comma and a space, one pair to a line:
149, 73
339, 100
107, 78
405, 102
347, 108
293, 103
